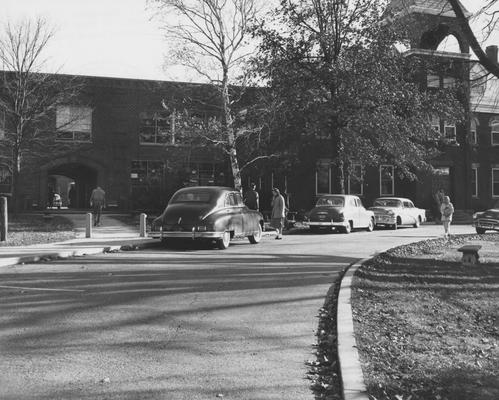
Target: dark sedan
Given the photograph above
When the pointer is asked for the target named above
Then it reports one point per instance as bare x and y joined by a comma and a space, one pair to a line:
487, 220
208, 213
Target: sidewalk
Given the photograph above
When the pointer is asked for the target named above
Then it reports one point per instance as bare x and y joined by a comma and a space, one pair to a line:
112, 235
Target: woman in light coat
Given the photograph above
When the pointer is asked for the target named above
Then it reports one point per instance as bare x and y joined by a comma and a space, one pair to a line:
278, 212
446, 209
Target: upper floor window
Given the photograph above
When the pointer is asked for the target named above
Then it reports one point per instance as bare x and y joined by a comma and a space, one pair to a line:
473, 134
450, 131
155, 128
386, 180
355, 180
432, 81
495, 182
494, 131
435, 123
449, 82
74, 123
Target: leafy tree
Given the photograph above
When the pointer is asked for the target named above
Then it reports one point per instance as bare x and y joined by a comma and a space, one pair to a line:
210, 37
339, 85
28, 98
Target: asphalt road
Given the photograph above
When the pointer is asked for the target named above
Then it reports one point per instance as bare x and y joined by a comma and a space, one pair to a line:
176, 324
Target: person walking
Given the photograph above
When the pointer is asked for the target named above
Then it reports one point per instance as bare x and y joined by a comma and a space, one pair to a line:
97, 202
251, 199
446, 210
278, 212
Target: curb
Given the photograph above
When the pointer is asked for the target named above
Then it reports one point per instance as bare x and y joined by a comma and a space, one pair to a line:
354, 387
34, 258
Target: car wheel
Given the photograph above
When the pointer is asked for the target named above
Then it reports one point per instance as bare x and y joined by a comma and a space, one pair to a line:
348, 228
417, 223
480, 230
257, 236
370, 227
224, 242
395, 225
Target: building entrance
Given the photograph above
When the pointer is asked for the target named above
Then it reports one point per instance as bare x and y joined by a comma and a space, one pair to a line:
73, 182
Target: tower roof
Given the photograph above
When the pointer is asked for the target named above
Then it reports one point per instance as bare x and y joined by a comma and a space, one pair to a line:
433, 7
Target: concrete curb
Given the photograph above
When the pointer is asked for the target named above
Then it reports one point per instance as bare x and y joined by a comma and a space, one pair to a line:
352, 377
47, 256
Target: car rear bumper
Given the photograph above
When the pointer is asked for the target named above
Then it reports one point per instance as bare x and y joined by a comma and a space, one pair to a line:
185, 235
329, 224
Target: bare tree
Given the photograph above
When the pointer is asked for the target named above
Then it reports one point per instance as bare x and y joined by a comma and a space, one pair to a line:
28, 97
210, 37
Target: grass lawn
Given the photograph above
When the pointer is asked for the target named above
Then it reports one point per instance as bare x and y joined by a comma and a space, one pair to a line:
26, 229
427, 327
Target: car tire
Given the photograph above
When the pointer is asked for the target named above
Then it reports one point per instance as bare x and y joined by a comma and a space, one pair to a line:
418, 222
347, 229
256, 237
395, 225
224, 242
370, 227
480, 231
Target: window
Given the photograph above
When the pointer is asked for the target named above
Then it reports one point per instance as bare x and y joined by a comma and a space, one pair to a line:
74, 123
323, 177
494, 131
355, 180
449, 82
432, 81
495, 182
435, 124
5, 179
386, 180
146, 172
408, 204
473, 135
474, 180
155, 128
450, 131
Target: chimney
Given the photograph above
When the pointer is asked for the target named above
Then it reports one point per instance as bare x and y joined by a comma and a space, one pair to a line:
491, 52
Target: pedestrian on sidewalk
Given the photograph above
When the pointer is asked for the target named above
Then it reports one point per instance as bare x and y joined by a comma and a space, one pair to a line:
446, 209
251, 199
97, 202
278, 212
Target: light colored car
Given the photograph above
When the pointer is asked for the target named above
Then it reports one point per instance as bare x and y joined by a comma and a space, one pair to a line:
342, 212
208, 213
487, 220
395, 211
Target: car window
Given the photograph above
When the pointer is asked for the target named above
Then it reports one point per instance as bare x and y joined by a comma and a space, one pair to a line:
408, 204
330, 201
230, 200
387, 203
352, 203
359, 203
198, 196
238, 199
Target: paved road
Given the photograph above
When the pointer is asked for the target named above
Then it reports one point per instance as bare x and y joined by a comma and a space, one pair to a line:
176, 324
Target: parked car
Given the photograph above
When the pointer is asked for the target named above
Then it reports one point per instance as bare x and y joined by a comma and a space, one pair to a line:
395, 211
341, 212
208, 213
487, 220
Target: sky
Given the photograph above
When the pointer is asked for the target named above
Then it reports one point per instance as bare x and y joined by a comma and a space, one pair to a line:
110, 38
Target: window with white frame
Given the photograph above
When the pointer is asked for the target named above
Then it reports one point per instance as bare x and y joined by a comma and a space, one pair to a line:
473, 134
450, 131
74, 123
323, 177
494, 131
432, 81
386, 180
495, 182
156, 128
474, 180
356, 180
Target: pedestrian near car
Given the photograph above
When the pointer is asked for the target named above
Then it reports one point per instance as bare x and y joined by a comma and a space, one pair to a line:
446, 210
97, 202
278, 212
252, 199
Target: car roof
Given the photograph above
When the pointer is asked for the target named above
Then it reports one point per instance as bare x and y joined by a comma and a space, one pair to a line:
208, 188
393, 198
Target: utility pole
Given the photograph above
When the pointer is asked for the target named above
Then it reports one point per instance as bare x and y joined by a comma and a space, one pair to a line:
3, 219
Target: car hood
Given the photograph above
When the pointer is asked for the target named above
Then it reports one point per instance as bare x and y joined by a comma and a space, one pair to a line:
492, 213
185, 213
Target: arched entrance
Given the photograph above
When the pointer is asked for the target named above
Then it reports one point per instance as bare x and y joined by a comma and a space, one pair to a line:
74, 182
